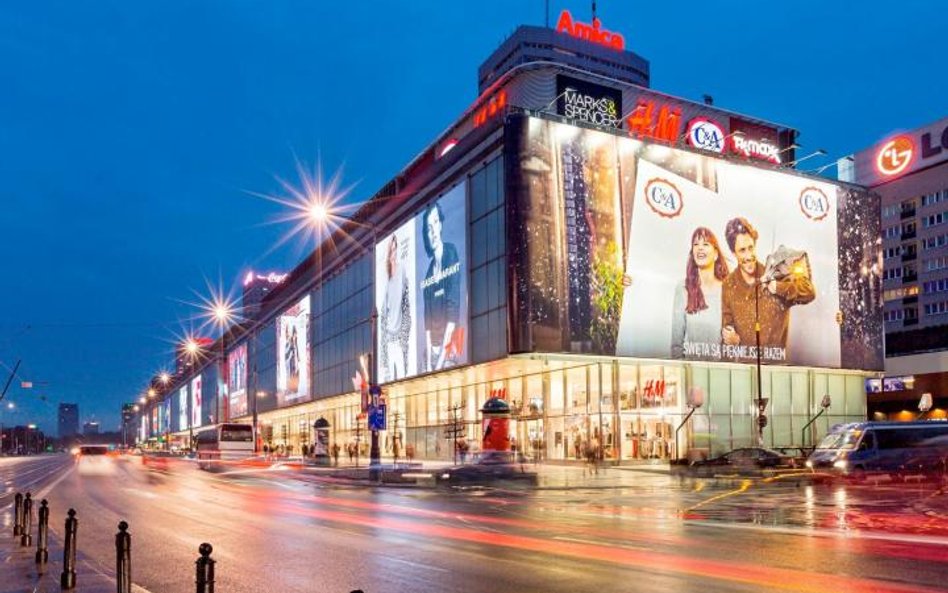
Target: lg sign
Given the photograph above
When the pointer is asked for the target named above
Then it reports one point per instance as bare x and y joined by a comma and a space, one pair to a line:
895, 156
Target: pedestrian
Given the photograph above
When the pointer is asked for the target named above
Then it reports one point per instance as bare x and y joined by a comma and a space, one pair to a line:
335, 454
350, 450
410, 451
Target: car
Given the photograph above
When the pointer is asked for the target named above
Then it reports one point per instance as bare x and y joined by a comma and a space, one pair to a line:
95, 460
749, 458
157, 459
492, 469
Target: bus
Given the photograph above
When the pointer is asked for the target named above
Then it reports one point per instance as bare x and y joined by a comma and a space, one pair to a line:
224, 442
899, 448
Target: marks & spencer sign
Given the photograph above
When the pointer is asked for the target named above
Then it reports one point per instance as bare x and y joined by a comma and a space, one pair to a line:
588, 103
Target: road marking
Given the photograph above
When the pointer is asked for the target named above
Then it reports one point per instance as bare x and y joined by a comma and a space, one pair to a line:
415, 564
808, 531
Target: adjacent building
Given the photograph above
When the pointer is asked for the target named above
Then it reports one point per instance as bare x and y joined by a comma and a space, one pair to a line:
587, 249
68, 420
909, 170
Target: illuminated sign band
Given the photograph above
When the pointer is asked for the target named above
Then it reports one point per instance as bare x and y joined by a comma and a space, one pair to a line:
588, 32
662, 124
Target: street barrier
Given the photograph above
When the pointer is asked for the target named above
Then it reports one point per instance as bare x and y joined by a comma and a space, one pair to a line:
205, 569
26, 537
42, 535
17, 514
68, 578
123, 559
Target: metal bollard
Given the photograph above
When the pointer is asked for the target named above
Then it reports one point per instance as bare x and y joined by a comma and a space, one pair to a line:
68, 578
17, 514
123, 559
26, 535
205, 569
42, 534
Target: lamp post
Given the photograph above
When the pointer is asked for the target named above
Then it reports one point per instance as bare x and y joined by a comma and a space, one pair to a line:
223, 313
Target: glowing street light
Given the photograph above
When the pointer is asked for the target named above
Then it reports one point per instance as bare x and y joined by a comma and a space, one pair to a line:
191, 347
142, 400
151, 393
164, 378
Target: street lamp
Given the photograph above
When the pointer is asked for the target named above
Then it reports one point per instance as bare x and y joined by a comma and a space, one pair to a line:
782, 263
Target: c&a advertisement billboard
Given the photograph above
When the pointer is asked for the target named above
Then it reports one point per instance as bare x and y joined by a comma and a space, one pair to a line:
623, 247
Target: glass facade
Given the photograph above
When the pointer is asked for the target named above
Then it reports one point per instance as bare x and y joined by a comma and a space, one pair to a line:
576, 397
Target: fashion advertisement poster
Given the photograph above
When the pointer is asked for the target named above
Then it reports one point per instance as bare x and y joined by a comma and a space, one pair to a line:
292, 380
237, 381
183, 418
166, 409
421, 291
441, 285
396, 304
197, 400
623, 247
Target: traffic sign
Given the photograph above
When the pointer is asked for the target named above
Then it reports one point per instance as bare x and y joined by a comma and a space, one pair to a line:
377, 417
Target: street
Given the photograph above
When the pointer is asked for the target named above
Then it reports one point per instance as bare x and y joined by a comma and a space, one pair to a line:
618, 530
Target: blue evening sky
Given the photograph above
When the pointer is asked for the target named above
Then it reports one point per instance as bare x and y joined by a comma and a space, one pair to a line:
132, 132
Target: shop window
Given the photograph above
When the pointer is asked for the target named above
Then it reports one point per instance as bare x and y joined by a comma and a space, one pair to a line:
628, 386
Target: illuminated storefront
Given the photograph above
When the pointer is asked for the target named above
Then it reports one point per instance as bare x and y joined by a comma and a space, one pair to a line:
586, 267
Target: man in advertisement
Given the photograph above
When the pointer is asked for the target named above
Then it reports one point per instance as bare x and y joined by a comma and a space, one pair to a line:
441, 290
775, 298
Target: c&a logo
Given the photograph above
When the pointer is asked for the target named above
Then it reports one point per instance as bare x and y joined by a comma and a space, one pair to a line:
814, 203
663, 197
706, 134
895, 156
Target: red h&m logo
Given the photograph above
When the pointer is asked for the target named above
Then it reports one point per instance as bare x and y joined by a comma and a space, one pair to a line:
654, 392
499, 393
663, 124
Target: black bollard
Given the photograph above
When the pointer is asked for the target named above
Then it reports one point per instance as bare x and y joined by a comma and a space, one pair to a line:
42, 534
68, 578
123, 559
26, 534
205, 569
17, 514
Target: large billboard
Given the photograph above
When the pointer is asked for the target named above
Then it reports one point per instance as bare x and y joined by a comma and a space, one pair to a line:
197, 399
292, 379
183, 418
624, 247
421, 291
237, 381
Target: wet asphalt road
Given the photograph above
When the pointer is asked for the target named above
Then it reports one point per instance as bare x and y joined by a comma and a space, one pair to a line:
616, 531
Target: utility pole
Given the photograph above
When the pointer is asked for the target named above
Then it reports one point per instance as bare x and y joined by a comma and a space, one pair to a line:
454, 429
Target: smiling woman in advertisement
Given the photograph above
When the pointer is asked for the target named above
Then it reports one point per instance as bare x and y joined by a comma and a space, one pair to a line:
696, 313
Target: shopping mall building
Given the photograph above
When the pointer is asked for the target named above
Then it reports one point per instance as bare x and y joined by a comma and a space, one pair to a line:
567, 245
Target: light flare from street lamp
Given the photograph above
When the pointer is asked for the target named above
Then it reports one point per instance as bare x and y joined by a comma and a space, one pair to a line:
164, 377
314, 205
152, 393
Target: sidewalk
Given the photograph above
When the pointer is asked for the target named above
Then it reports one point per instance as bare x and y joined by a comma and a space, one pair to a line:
19, 572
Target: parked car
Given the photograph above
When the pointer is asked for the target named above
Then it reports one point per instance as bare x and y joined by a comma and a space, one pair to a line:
749, 458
